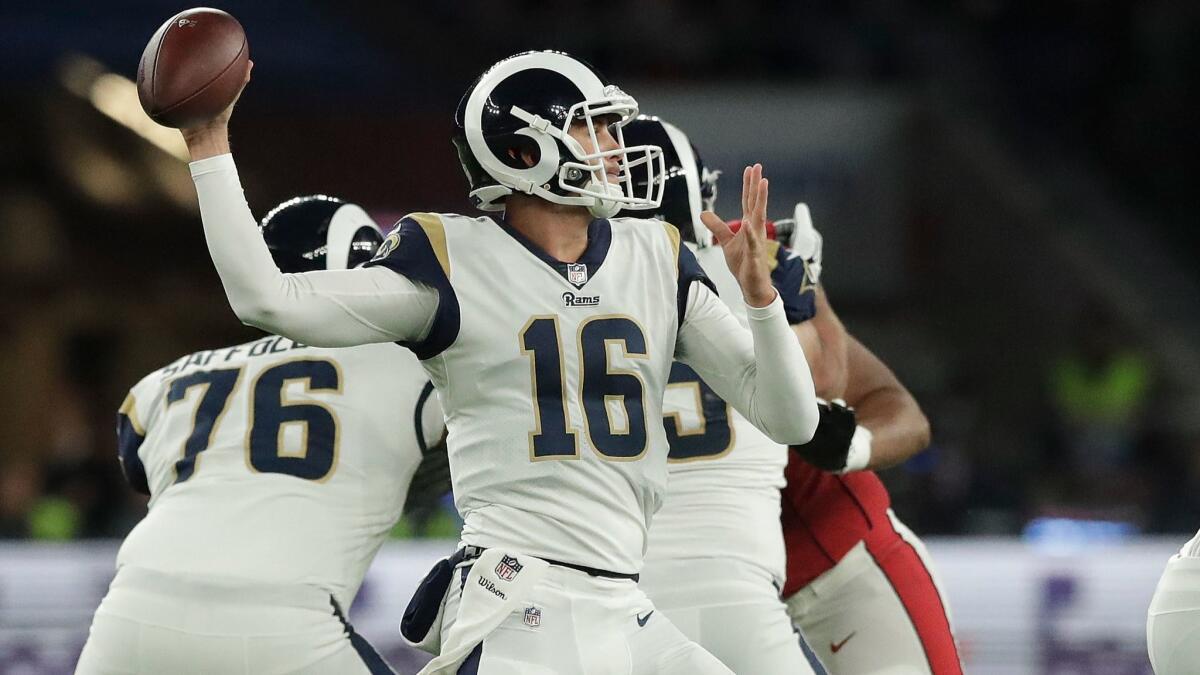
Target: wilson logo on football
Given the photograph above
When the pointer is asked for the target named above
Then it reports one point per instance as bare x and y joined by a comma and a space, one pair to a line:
508, 568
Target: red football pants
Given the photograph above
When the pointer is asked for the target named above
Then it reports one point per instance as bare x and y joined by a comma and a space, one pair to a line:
878, 610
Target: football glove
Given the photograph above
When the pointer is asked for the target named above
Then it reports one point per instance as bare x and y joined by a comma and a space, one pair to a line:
840, 445
799, 235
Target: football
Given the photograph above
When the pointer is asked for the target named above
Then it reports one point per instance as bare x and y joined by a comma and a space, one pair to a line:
193, 67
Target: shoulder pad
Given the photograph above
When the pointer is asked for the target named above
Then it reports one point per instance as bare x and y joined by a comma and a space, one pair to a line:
789, 273
416, 248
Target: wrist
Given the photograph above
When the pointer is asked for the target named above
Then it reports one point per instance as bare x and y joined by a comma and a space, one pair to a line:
859, 455
207, 141
766, 312
761, 297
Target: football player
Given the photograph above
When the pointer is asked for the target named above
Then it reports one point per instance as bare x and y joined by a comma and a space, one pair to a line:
715, 561
860, 585
549, 333
1173, 621
719, 526
274, 471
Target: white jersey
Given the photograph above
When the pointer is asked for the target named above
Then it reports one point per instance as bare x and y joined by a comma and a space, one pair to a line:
551, 374
539, 464
1192, 548
725, 474
273, 462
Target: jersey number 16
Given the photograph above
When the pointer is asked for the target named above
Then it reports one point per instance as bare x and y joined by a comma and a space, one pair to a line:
600, 385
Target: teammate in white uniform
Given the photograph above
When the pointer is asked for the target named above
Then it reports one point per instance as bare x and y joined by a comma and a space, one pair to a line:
1173, 621
716, 559
274, 470
716, 566
550, 335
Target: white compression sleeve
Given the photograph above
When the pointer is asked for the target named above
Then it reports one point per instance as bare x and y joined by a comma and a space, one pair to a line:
761, 372
335, 308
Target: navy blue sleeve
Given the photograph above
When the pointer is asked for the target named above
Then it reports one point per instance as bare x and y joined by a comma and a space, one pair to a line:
408, 251
791, 279
689, 271
128, 443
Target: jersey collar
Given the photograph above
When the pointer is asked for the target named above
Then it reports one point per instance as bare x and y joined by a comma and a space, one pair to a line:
581, 271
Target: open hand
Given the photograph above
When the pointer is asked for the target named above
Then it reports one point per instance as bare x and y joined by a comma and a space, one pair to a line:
745, 252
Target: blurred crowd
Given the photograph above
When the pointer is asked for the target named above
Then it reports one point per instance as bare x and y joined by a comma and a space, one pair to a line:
103, 278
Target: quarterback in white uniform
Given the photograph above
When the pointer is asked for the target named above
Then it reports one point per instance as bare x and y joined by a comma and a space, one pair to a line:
716, 557
549, 334
1173, 622
275, 471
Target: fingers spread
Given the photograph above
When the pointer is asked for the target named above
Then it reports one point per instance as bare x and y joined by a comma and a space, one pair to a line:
719, 228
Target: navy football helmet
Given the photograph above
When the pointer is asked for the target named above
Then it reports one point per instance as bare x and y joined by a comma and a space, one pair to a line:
689, 186
526, 104
317, 232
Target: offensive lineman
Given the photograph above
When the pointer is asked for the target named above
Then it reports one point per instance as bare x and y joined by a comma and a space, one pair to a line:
274, 470
1173, 620
715, 561
731, 604
549, 334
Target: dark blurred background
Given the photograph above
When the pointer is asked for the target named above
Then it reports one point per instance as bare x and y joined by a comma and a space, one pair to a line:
1007, 192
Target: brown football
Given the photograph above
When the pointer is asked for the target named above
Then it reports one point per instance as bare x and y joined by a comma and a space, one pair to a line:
193, 67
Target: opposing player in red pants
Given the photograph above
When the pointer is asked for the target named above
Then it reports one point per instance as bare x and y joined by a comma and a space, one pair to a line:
859, 583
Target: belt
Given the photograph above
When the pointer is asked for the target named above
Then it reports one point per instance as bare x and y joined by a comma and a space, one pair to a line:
468, 553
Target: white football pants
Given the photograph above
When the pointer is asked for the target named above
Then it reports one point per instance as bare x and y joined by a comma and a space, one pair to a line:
150, 622
570, 622
1173, 621
730, 608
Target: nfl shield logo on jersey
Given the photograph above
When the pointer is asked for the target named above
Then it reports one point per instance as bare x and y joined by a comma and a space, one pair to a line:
533, 617
508, 568
577, 273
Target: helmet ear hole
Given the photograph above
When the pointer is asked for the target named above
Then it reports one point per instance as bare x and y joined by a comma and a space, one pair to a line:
526, 152
517, 151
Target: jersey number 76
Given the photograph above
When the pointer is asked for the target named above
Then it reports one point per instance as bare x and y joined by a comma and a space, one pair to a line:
270, 412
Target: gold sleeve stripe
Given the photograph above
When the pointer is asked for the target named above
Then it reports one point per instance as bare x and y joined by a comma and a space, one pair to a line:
129, 409
436, 232
673, 236
772, 254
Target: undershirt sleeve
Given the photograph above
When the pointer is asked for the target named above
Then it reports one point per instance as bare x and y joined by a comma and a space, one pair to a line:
327, 308
761, 371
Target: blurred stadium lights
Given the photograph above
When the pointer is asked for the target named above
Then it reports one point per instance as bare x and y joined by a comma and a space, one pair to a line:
117, 98
1069, 536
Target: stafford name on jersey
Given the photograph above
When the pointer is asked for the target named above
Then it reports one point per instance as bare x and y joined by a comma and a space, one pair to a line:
271, 344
